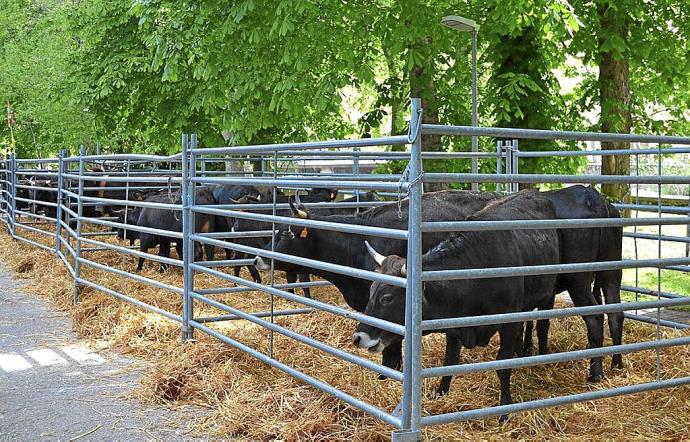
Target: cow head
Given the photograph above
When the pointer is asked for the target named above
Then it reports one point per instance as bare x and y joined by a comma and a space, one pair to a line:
237, 224
266, 193
254, 194
291, 240
132, 218
579, 202
40, 193
386, 302
138, 195
247, 199
328, 194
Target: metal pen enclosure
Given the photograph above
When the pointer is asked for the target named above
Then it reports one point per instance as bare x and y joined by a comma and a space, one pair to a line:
74, 187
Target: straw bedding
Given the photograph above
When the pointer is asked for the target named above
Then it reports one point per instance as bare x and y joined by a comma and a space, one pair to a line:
249, 400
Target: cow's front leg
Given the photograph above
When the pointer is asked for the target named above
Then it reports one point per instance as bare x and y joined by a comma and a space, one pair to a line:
392, 357
452, 357
509, 335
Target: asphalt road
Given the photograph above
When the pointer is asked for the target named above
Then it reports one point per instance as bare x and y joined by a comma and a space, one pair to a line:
54, 387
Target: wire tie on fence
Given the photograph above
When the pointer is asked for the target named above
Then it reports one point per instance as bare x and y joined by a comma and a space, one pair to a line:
415, 181
170, 189
414, 133
403, 178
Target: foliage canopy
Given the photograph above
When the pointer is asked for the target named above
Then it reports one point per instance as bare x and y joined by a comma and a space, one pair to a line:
131, 75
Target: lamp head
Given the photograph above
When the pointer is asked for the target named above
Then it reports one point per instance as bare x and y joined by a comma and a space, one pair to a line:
461, 24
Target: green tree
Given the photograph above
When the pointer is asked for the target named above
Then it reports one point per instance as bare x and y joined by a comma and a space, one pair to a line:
36, 78
525, 47
221, 66
643, 82
148, 70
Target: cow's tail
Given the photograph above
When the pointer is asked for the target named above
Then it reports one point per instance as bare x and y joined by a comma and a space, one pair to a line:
596, 290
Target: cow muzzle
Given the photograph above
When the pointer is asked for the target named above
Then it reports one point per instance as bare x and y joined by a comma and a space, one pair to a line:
262, 264
363, 340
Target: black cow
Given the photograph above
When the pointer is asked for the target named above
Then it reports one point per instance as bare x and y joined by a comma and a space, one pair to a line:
471, 297
101, 188
235, 194
34, 181
227, 193
166, 219
132, 218
348, 249
245, 225
38, 192
51, 196
24, 193
586, 245
133, 213
96, 188
303, 273
327, 194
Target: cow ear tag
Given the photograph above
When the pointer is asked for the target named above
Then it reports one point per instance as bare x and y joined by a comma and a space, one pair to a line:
304, 233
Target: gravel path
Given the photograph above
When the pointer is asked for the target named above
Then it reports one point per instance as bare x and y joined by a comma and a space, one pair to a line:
54, 387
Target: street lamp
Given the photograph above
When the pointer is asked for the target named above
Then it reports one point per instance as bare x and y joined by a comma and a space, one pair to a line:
86, 110
462, 24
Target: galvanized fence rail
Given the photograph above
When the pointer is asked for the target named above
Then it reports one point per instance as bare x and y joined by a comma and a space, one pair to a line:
57, 204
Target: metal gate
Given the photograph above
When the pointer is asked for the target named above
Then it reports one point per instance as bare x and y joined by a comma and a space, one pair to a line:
73, 212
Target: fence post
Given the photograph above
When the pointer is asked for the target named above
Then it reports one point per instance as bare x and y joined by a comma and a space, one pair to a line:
355, 172
475, 140
125, 233
13, 192
3, 187
499, 163
687, 232
58, 200
507, 149
516, 157
80, 212
3, 178
412, 365
188, 168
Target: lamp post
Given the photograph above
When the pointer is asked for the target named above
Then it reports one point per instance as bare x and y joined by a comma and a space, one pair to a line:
463, 24
86, 110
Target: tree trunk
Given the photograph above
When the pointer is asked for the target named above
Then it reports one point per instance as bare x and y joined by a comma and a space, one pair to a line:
256, 167
614, 95
521, 54
233, 165
422, 86
397, 101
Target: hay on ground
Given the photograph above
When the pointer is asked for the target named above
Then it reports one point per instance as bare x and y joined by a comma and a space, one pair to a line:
252, 401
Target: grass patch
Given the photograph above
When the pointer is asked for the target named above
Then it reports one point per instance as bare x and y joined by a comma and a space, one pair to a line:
671, 281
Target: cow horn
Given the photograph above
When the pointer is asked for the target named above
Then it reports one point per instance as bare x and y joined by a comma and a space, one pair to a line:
301, 213
403, 270
374, 254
